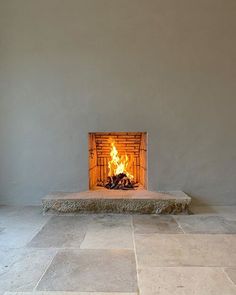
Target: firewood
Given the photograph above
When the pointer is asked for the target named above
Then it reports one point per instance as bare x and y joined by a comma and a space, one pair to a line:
120, 181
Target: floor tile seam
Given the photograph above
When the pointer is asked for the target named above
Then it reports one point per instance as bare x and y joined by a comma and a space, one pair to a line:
227, 276
179, 225
84, 236
135, 255
44, 272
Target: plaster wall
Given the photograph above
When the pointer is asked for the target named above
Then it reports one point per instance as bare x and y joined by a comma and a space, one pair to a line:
71, 67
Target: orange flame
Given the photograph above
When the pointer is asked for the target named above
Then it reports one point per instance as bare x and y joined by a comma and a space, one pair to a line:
118, 164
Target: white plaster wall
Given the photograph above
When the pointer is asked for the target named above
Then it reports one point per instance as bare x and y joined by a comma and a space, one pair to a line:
163, 66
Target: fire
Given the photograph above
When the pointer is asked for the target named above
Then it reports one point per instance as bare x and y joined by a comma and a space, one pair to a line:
118, 164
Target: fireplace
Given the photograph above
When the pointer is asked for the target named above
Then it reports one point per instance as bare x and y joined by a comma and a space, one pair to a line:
112, 154
117, 160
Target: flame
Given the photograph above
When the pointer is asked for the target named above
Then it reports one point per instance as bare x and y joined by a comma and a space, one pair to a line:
118, 164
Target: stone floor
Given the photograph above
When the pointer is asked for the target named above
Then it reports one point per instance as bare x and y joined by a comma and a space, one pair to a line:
118, 254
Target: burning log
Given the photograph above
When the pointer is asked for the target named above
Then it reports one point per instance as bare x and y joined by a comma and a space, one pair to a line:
120, 181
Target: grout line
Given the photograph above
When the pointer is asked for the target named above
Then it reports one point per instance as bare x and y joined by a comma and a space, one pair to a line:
46, 268
228, 277
179, 225
135, 254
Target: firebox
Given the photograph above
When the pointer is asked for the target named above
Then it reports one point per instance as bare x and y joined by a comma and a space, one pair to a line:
117, 160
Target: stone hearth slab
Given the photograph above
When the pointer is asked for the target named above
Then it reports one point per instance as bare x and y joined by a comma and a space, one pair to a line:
111, 201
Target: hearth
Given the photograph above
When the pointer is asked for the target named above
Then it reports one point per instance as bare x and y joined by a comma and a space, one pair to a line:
117, 160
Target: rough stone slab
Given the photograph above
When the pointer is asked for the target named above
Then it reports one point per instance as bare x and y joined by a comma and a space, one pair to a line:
107, 201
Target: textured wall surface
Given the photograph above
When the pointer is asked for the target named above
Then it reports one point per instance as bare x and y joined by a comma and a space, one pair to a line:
163, 66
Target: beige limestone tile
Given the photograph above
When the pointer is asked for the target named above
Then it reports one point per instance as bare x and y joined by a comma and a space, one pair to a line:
184, 281
62, 232
109, 232
16, 237
151, 224
225, 211
91, 271
180, 250
19, 225
21, 269
100, 237
206, 224
111, 219
11, 216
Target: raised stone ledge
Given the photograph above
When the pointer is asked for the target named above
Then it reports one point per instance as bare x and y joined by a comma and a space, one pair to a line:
106, 201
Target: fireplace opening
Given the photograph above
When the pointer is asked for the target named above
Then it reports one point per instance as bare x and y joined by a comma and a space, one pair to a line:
117, 160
